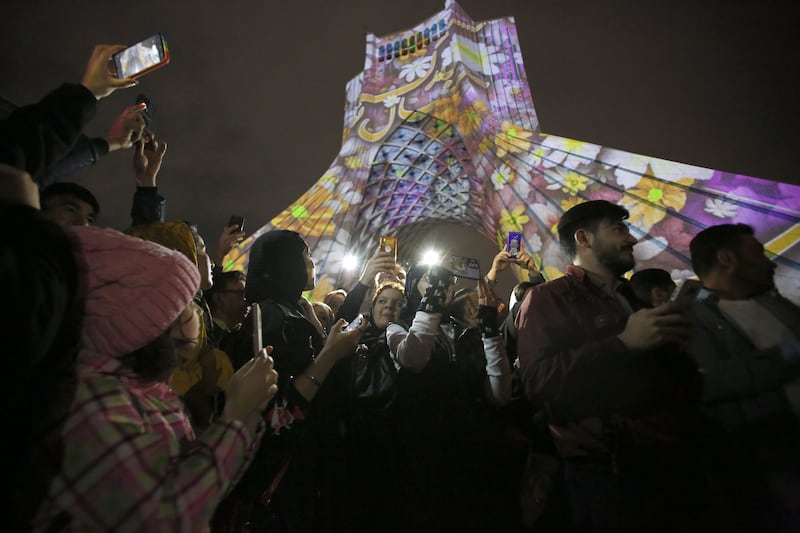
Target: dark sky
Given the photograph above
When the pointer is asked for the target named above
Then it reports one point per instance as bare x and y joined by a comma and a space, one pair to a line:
251, 104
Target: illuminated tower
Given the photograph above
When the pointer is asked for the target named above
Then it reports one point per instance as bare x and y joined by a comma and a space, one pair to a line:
440, 125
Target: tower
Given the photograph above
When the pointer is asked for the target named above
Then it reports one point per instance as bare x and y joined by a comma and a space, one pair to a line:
440, 125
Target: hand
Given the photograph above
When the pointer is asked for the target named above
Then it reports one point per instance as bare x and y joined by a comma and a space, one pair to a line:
341, 343
227, 239
525, 260
486, 295
127, 128
649, 328
380, 262
148, 155
98, 78
499, 263
251, 388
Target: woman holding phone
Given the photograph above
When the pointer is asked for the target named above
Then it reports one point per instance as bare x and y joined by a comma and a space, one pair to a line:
287, 486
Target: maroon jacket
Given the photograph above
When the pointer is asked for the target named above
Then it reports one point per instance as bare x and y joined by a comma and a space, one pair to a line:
602, 398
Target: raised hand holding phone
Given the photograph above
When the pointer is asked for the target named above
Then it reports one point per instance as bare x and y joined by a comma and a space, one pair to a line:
97, 78
255, 316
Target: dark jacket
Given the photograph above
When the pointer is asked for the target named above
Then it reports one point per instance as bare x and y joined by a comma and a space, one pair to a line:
602, 398
36, 136
743, 385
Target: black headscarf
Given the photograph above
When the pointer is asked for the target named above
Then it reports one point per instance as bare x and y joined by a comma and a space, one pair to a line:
276, 268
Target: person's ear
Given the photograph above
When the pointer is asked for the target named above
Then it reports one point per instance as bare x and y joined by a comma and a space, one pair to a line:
726, 258
583, 238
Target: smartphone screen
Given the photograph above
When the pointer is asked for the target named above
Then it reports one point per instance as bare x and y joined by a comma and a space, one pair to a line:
255, 313
466, 267
514, 243
141, 57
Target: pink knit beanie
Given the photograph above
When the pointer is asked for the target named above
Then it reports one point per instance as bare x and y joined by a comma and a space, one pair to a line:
135, 290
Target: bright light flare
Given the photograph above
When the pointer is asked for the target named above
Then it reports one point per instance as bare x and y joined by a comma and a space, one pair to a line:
431, 257
350, 262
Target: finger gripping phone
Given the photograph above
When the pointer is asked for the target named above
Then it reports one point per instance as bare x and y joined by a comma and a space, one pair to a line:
145, 56
237, 221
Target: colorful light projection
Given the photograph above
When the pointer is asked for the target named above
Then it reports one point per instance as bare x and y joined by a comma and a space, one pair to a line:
449, 132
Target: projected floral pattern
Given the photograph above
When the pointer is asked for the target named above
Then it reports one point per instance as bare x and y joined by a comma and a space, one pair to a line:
449, 131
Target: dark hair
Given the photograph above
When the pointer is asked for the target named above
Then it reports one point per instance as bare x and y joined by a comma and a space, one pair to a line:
221, 281
588, 216
707, 243
276, 268
643, 281
521, 288
155, 361
67, 188
458, 307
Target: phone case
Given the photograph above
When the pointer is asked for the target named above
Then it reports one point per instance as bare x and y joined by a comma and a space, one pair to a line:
514, 243
389, 245
158, 40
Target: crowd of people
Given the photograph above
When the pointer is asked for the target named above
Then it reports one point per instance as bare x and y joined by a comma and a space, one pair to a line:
150, 390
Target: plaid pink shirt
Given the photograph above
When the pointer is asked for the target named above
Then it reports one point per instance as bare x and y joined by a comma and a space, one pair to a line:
132, 462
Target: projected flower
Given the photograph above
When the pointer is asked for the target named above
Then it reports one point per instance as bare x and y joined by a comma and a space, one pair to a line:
514, 220
391, 100
720, 208
492, 58
568, 153
512, 139
649, 199
469, 120
416, 70
574, 183
630, 167
502, 176
447, 56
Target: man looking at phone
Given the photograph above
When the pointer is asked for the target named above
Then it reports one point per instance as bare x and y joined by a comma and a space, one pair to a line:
620, 393
747, 344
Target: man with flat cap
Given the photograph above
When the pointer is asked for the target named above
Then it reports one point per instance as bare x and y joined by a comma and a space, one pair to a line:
620, 391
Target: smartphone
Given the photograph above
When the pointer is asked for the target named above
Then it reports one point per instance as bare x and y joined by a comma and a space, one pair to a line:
685, 293
255, 316
389, 245
140, 58
237, 221
147, 113
466, 267
514, 243
355, 323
